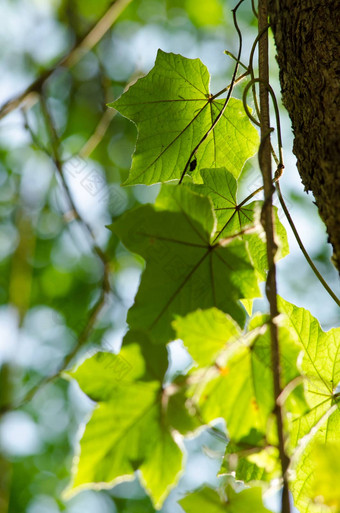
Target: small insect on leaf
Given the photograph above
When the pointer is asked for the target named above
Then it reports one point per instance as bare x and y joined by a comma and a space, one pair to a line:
193, 164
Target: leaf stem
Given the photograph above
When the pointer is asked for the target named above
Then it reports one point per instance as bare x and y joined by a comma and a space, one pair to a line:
267, 221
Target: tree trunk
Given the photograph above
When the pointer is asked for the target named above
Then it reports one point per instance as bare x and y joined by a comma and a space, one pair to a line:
307, 37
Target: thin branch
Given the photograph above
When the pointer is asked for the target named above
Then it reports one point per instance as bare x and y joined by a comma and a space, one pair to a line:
105, 288
82, 338
74, 56
267, 221
98, 134
58, 164
302, 247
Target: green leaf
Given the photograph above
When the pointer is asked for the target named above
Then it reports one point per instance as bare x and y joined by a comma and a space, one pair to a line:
205, 333
181, 415
184, 270
155, 356
240, 387
320, 425
251, 463
209, 501
314, 489
320, 368
221, 187
325, 462
99, 375
172, 109
127, 431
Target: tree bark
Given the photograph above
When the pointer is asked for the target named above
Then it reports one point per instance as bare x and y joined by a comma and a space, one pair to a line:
307, 37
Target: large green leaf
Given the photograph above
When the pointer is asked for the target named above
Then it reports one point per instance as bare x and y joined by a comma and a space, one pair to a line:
173, 109
209, 501
128, 430
184, 270
239, 388
320, 368
320, 425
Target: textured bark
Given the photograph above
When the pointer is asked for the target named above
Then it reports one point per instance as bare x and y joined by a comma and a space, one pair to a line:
307, 37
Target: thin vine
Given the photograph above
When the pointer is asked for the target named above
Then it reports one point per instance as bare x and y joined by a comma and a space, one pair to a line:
267, 221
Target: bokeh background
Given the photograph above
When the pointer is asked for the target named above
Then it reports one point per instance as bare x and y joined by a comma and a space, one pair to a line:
51, 275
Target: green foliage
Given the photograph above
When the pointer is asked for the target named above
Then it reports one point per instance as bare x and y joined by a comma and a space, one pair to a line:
127, 430
203, 255
319, 425
184, 269
210, 501
172, 109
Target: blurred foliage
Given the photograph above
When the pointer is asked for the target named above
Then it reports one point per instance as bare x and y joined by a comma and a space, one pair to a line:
50, 277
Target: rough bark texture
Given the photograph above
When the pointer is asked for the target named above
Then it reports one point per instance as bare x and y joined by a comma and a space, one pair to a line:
307, 37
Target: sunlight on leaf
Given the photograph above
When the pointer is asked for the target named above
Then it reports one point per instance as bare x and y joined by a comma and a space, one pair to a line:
209, 501
127, 430
183, 270
205, 333
172, 110
320, 424
239, 387
221, 187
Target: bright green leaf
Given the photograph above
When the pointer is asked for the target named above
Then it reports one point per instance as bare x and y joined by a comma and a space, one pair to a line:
325, 461
205, 333
99, 375
316, 489
320, 425
320, 368
127, 431
240, 388
172, 109
209, 501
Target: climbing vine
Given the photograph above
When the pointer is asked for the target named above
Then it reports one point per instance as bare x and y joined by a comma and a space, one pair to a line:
207, 250
272, 378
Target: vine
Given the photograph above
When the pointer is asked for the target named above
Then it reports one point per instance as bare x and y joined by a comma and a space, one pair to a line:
206, 254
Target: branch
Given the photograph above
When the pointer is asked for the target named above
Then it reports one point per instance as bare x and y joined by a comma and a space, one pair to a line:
83, 336
74, 56
105, 287
267, 221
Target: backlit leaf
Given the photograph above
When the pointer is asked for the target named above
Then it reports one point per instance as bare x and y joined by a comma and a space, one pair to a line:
172, 109
184, 270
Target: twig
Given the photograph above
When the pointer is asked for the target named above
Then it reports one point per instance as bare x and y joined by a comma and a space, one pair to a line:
74, 56
105, 289
83, 336
98, 134
267, 221
58, 164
